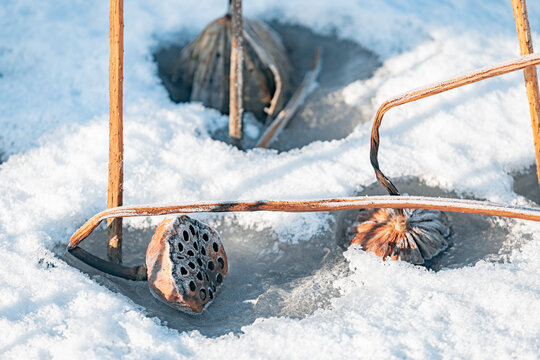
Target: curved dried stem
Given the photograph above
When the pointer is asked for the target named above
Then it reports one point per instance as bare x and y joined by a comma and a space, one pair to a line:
135, 273
430, 90
348, 203
304, 90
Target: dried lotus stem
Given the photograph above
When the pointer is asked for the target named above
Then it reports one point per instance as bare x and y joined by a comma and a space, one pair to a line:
236, 81
430, 90
531, 77
300, 95
135, 273
348, 203
116, 142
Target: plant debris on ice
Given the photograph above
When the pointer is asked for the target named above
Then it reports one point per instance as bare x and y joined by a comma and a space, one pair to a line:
53, 137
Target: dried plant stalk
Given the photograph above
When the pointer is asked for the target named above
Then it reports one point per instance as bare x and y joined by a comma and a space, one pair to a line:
430, 90
300, 95
116, 142
236, 81
531, 77
348, 203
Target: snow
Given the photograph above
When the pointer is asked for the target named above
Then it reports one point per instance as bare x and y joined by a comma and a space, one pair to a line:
53, 116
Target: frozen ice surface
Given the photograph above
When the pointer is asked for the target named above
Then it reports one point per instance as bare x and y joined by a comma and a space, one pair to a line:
53, 116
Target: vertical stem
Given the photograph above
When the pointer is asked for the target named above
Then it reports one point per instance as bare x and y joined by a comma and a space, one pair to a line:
531, 77
116, 143
236, 82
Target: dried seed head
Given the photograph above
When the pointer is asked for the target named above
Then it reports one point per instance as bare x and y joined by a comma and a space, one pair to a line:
186, 262
416, 236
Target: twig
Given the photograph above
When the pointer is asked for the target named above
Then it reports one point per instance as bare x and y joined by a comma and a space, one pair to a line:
236, 81
116, 142
430, 90
531, 77
300, 95
347, 203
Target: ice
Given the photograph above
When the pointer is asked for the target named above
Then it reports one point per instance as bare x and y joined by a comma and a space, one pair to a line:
477, 302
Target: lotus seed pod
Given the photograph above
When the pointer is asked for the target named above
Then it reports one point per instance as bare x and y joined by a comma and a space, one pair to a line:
416, 236
186, 264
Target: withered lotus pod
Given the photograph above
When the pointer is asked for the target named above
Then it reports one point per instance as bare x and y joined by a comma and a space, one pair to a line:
186, 264
415, 236
203, 67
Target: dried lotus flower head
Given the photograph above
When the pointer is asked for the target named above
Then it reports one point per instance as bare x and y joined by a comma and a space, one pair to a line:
414, 236
186, 264
203, 67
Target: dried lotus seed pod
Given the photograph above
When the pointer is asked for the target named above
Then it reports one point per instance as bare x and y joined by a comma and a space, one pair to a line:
186, 264
416, 236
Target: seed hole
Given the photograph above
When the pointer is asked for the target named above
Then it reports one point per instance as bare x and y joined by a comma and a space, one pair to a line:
199, 261
192, 286
215, 247
211, 294
203, 251
191, 265
202, 294
192, 229
183, 271
211, 265
199, 276
219, 278
180, 247
190, 253
196, 246
185, 235
206, 277
213, 287
221, 262
205, 237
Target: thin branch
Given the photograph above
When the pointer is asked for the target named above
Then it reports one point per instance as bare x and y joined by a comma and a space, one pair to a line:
348, 203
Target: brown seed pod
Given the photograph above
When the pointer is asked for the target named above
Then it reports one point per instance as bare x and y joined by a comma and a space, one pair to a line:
186, 264
203, 67
415, 236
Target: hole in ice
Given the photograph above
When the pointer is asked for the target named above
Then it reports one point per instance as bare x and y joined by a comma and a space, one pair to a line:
526, 184
473, 238
325, 114
266, 278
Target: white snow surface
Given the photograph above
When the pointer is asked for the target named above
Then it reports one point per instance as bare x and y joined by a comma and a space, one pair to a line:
54, 123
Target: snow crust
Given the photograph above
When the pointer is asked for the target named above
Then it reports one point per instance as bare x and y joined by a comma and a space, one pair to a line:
54, 116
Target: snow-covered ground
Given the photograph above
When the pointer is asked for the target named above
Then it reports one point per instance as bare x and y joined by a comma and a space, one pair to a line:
53, 136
